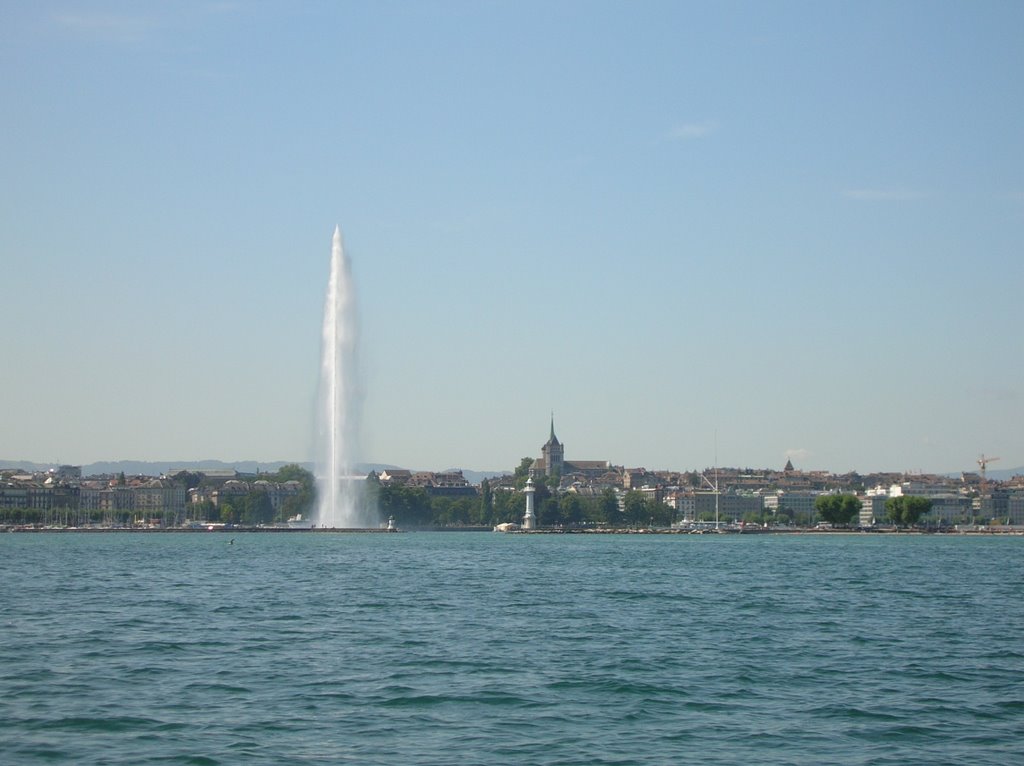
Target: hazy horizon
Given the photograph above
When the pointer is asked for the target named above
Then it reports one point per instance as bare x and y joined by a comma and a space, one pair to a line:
1003, 472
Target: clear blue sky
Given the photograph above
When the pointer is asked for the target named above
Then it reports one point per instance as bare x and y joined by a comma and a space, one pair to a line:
786, 228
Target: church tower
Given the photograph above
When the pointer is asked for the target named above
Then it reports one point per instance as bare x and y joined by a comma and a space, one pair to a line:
553, 452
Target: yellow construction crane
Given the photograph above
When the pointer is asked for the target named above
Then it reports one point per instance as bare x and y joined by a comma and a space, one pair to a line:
983, 463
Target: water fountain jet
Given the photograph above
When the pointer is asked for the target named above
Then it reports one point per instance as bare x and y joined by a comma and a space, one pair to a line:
340, 499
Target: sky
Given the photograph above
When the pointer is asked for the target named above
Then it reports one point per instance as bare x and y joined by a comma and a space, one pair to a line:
699, 233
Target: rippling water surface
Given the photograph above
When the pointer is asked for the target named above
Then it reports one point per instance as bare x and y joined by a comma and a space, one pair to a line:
443, 648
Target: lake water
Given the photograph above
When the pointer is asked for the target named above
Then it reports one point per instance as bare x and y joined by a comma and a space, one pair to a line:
461, 648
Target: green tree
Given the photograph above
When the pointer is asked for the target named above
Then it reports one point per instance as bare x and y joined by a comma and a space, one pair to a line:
203, 511
660, 514
228, 514
838, 509
905, 510
187, 479
508, 505
608, 509
852, 507
894, 510
293, 472
635, 508
486, 503
449, 511
371, 491
257, 509
571, 509
410, 506
301, 503
545, 506
753, 517
522, 472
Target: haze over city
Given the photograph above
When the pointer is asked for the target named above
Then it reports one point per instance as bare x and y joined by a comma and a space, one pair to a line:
698, 232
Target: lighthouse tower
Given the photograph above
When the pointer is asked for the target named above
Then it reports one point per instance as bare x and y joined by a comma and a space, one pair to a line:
529, 520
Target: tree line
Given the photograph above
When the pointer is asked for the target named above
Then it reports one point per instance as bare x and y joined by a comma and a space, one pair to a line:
843, 510
416, 508
251, 508
254, 508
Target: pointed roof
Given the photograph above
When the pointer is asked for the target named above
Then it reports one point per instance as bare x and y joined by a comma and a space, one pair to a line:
552, 440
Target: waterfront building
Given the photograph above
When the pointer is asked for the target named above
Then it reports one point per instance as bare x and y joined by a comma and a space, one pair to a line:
160, 497
994, 507
18, 496
872, 508
229, 493
729, 505
211, 475
1015, 507
395, 476
797, 505
278, 493
638, 478
235, 489
949, 508
655, 494
442, 483
36, 496
684, 503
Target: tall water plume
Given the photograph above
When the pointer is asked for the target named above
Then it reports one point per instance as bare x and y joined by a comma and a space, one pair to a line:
340, 499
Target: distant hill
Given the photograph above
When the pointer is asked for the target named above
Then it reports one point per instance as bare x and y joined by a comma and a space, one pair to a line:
25, 465
1005, 474
158, 467
163, 467
475, 477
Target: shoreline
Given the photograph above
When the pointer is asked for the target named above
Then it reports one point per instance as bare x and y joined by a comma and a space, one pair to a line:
187, 530
1001, 531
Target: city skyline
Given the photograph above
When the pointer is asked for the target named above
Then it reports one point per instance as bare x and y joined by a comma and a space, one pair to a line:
726, 233
995, 469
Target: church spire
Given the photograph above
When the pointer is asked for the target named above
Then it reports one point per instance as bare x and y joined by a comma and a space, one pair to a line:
553, 452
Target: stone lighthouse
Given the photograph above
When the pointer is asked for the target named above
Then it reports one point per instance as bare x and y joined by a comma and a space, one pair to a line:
529, 520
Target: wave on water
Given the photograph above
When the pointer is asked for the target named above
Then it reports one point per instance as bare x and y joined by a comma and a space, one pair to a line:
435, 649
